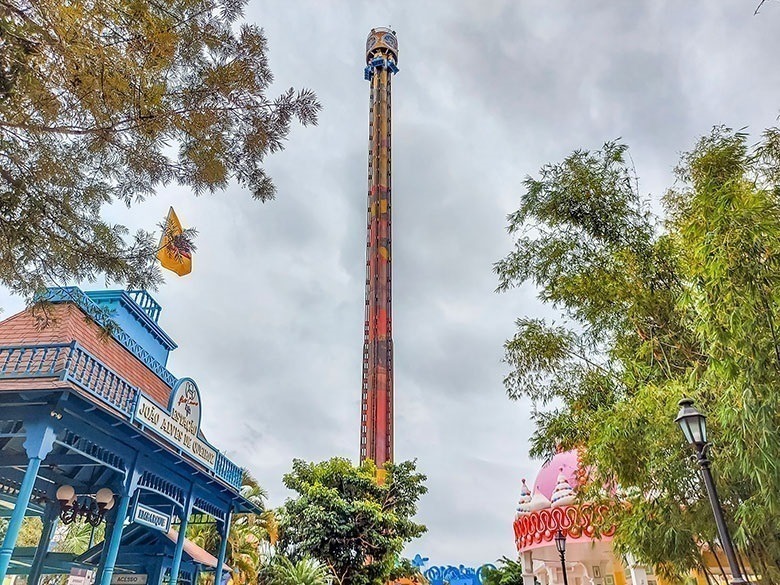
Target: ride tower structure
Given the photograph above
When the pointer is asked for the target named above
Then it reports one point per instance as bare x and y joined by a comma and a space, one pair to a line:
376, 428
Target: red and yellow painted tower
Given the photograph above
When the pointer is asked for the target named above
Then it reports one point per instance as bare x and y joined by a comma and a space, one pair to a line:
376, 427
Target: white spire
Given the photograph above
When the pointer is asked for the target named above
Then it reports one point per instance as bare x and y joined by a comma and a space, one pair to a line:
563, 494
525, 499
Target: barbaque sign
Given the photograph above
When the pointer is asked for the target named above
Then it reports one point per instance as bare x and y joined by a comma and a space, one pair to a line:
151, 518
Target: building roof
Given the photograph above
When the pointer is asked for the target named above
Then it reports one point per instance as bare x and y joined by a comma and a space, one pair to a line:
566, 463
71, 348
137, 537
552, 506
196, 553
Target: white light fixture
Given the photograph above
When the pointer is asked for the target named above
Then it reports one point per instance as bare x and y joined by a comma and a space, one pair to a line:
66, 494
91, 508
104, 497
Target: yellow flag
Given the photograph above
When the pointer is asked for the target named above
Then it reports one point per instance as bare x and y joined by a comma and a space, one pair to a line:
171, 254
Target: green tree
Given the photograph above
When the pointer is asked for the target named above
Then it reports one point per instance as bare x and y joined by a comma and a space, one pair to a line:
305, 571
655, 309
405, 569
29, 533
71, 538
104, 102
247, 536
508, 572
348, 521
75, 537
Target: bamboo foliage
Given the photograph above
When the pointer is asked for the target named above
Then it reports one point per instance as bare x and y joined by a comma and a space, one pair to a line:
654, 308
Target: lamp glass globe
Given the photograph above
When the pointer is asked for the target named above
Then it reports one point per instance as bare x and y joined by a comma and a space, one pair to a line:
66, 493
104, 496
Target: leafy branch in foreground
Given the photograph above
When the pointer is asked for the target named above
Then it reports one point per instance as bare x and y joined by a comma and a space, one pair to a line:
106, 102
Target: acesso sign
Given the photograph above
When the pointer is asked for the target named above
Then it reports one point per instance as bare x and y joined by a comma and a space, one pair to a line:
129, 579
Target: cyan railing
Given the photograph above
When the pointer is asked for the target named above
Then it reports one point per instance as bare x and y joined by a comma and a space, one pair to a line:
228, 470
33, 361
91, 375
72, 363
144, 300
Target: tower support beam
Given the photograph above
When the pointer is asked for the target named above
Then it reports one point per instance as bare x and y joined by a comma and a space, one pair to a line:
376, 429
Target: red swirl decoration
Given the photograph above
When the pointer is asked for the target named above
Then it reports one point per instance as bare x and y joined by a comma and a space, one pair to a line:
574, 521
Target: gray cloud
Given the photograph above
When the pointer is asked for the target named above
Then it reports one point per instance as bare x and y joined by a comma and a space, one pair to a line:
270, 322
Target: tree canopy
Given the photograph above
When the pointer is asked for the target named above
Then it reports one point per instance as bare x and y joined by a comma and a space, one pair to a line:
282, 571
106, 101
249, 535
348, 521
406, 569
654, 309
508, 572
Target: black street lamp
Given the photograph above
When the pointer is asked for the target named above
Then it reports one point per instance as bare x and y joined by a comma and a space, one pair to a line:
560, 544
694, 427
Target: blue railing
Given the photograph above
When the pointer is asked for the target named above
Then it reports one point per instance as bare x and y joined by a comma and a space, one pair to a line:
69, 361
33, 361
72, 363
228, 471
91, 375
144, 300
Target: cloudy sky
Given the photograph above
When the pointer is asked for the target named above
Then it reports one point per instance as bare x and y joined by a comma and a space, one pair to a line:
270, 322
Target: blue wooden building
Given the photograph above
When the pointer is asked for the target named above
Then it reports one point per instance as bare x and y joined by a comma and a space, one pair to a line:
94, 428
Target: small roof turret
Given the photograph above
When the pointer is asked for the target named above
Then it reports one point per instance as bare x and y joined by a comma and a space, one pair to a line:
525, 499
563, 494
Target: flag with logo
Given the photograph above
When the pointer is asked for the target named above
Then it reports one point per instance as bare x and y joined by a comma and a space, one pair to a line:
175, 249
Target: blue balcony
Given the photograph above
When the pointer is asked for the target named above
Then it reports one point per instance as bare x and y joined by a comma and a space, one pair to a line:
70, 362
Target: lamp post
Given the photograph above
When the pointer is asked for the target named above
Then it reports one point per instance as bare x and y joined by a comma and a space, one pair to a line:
694, 427
560, 544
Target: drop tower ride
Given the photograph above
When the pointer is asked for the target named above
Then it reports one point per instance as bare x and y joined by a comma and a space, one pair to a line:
376, 415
